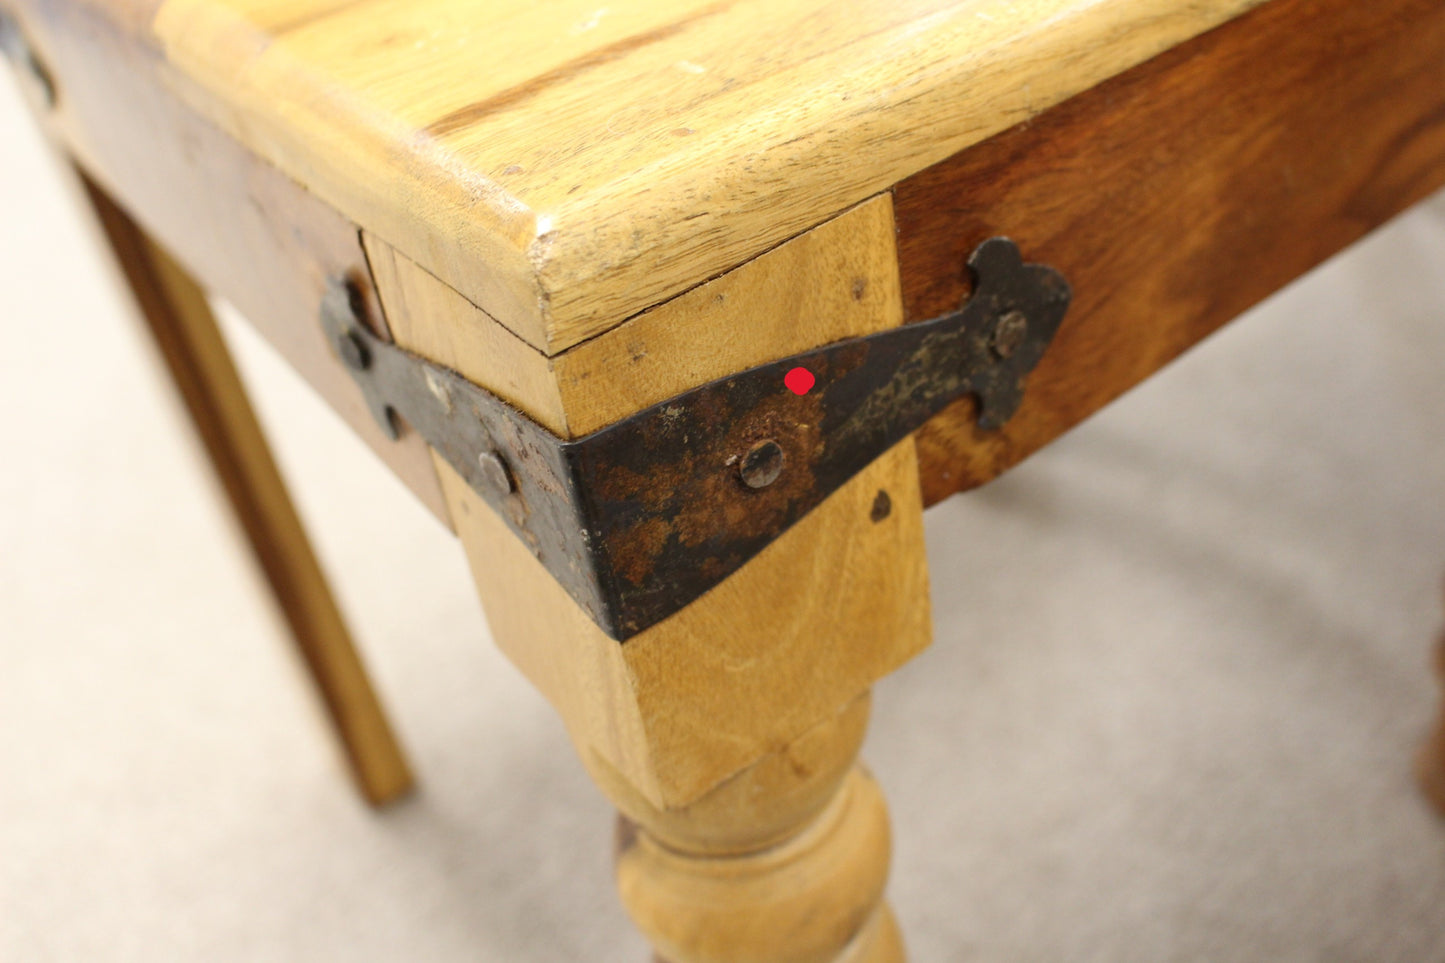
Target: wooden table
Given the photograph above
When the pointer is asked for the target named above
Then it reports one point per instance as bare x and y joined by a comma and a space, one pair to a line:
587, 212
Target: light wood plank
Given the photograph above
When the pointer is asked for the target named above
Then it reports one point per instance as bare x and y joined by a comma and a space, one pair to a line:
823, 286
565, 165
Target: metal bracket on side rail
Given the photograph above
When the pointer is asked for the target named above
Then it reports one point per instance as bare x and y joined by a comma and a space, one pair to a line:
640, 518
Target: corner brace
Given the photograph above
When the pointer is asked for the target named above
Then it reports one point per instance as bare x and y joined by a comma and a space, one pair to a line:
638, 519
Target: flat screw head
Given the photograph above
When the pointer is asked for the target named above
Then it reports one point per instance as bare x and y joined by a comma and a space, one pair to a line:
762, 465
1009, 333
495, 473
353, 351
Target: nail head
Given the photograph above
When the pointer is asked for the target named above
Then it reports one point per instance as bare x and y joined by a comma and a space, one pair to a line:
762, 465
1009, 333
495, 472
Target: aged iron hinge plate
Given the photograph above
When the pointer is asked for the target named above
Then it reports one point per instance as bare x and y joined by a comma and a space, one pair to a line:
640, 518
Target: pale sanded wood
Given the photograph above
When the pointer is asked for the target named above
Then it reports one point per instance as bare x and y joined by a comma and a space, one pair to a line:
759, 807
567, 164
834, 604
880, 942
828, 284
432, 319
785, 861
804, 900
726, 733
176, 312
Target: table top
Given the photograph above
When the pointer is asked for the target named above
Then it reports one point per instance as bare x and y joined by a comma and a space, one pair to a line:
567, 164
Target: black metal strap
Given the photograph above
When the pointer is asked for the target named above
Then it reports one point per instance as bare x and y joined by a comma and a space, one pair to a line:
640, 518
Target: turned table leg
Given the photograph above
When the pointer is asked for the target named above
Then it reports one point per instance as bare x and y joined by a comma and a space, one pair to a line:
726, 733
179, 319
785, 861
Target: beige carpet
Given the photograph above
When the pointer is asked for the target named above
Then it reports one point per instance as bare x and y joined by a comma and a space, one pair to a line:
1179, 673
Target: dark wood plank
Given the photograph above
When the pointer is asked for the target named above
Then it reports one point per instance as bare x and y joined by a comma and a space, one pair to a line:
1177, 195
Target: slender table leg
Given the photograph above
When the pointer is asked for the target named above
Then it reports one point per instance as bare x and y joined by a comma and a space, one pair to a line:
1430, 763
177, 315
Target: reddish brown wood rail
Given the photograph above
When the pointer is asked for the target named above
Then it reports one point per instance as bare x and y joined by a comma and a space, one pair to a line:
1177, 195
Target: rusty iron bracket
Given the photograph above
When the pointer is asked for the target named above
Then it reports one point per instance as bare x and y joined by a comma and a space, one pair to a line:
640, 518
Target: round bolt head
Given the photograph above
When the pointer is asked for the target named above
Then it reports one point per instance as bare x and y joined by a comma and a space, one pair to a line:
762, 465
495, 473
1009, 333
353, 350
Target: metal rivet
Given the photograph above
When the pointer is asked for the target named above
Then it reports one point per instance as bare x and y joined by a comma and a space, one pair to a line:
1009, 333
882, 506
353, 351
495, 473
762, 465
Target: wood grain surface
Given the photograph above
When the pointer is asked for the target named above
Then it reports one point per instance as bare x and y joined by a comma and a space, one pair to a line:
1176, 196
246, 231
831, 283
565, 165
179, 319
816, 897
837, 602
